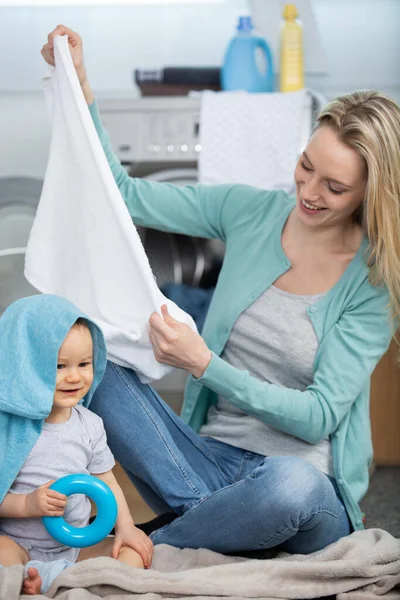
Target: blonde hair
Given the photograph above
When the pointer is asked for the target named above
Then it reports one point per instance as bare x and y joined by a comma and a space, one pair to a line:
369, 123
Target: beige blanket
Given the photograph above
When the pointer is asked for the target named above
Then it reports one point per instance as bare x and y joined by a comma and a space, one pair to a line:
363, 566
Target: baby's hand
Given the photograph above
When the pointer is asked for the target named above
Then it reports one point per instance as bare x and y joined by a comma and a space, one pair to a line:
135, 538
43, 502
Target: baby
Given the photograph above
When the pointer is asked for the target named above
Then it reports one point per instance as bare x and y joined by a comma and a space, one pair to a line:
52, 358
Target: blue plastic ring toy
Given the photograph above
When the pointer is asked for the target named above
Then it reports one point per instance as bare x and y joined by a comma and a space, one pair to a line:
107, 509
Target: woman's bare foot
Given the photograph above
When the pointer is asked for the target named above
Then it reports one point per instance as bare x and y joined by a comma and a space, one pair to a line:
33, 582
128, 556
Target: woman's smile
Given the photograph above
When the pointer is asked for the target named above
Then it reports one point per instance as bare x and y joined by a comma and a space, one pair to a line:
310, 209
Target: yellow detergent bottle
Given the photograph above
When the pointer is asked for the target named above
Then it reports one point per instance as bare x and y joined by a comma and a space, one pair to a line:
291, 51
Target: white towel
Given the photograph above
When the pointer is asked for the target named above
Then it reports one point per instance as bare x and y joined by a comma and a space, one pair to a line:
253, 138
83, 244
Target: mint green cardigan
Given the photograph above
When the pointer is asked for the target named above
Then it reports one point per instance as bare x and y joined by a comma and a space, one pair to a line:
351, 320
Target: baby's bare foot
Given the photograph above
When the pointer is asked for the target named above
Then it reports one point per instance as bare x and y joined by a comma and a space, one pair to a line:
33, 582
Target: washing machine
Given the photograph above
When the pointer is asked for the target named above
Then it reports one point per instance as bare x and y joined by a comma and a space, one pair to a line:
158, 138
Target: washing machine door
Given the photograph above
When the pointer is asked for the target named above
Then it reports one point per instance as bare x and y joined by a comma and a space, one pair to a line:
176, 176
174, 258
179, 258
19, 198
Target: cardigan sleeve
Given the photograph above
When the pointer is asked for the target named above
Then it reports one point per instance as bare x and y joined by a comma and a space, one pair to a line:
345, 361
209, 211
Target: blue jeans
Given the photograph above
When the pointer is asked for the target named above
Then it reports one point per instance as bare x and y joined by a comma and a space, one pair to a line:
227, 499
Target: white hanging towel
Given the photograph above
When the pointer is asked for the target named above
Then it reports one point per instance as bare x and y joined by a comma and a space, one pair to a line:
83, 245
253, 138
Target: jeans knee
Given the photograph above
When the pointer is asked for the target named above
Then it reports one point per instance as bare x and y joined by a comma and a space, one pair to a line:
294, 484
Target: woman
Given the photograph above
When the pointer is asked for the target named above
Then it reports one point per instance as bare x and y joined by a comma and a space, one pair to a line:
273, 445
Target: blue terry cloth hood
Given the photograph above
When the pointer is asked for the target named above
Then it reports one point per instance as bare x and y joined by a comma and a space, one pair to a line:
31, 333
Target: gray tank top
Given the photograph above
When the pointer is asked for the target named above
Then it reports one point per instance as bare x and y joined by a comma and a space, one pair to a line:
275, 341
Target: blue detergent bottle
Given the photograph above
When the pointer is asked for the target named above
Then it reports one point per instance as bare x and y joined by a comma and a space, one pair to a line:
241, 69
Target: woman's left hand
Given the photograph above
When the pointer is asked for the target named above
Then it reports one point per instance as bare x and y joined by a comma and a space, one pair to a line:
176, 344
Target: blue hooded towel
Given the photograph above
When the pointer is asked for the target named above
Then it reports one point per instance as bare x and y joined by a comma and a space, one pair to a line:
31, 333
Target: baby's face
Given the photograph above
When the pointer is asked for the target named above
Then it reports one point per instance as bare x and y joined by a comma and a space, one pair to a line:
74, 368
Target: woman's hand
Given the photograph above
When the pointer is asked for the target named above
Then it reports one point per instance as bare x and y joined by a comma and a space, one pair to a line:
44, 502
135, 538
75, 46
176, 344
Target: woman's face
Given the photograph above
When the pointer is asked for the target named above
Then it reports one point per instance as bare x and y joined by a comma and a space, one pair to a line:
330, 180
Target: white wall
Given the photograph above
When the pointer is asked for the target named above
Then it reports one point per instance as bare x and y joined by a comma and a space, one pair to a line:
362, 42
117, 39
361, 39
